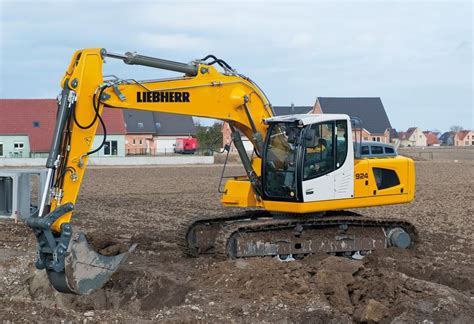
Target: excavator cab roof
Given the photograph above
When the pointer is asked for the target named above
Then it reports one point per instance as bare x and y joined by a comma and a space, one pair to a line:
306, 119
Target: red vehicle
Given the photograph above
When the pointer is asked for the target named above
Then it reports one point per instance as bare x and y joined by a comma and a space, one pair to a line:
186, 145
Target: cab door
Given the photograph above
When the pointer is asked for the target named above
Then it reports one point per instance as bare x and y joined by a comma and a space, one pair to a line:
318, 162
328, 162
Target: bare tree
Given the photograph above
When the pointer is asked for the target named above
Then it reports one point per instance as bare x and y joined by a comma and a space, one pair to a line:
456, 128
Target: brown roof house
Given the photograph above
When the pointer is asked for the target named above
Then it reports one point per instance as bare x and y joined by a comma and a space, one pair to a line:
464, 138
375, 123
431, 138
27, 125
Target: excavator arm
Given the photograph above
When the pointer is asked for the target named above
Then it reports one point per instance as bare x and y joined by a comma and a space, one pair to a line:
203, 91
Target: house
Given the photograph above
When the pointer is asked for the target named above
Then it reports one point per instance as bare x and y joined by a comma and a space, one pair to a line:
412, 137
27, 125
464, 138
375, 123
169, 127
140, 131
447, 138
278, 110
155, 132
431, 138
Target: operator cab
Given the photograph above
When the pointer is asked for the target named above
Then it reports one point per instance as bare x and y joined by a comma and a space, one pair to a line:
308, 158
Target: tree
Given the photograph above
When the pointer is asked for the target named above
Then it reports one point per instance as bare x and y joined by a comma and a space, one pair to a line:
210, 137
456, 128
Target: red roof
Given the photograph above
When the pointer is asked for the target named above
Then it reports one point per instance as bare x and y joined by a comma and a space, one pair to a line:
431, 138
18, 116
462, 134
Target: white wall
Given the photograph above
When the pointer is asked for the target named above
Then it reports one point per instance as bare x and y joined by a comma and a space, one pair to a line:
165, 144
418, 138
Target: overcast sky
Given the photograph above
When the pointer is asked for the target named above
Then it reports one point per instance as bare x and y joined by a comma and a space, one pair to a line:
416, 56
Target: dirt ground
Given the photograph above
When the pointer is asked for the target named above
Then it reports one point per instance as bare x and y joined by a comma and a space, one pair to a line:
431, 283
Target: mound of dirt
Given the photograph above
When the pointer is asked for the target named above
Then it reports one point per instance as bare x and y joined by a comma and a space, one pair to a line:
344, 288
407, 299
131, 291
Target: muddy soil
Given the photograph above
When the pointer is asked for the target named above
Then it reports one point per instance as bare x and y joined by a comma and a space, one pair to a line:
431, 283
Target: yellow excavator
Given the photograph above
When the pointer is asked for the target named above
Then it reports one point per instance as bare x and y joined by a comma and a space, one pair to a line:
304, 174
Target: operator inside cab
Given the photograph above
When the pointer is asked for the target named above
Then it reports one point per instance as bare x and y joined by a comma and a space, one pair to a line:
316, 152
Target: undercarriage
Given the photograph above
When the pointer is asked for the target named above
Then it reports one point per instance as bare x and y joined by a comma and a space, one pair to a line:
260, 233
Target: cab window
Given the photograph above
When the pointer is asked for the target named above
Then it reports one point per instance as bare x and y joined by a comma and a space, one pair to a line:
280, 161
318, 150
341, 142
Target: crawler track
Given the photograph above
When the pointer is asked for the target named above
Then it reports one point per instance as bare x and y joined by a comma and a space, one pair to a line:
259, 233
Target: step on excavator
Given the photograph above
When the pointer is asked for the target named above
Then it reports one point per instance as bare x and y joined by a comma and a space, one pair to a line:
301, 180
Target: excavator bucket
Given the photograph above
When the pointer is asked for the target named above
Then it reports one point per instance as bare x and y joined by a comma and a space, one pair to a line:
72, 265
85, 270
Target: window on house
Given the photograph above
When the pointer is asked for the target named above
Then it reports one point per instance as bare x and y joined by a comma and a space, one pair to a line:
1, 149
36, 124
140, 125
18, 145
141, 142
134, 142
110, 148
